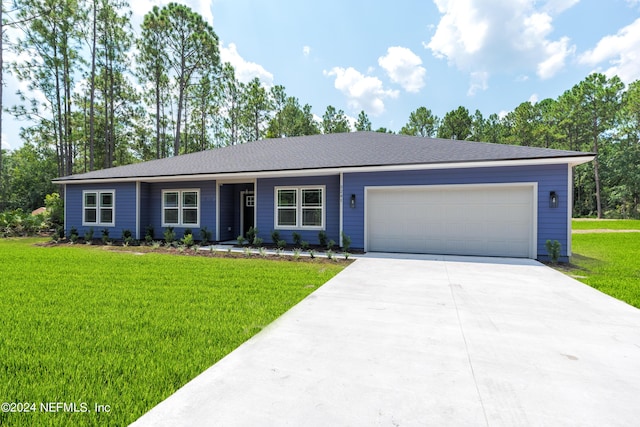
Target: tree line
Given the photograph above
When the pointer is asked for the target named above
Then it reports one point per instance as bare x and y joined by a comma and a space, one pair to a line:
108, 95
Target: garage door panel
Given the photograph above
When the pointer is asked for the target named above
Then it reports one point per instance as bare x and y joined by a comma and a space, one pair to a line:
469, 220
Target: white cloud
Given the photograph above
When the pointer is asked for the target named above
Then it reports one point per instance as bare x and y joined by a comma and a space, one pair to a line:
479, 81
245, 70
5, 144
619, 51
558, 6
533, 99
485, 36
404, 67
557, 52
363, 92
306, 50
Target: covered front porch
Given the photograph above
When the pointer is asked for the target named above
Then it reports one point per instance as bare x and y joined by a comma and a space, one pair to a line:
235, 210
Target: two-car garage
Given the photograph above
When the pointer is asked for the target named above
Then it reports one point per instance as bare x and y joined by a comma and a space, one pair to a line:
480, 220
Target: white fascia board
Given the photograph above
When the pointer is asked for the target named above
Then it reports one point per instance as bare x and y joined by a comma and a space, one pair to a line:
239, 176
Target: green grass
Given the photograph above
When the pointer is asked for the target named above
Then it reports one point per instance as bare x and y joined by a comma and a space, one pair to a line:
82, 324
609, 262
607, 224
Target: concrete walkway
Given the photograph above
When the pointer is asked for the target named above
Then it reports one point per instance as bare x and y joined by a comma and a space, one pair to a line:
438, 341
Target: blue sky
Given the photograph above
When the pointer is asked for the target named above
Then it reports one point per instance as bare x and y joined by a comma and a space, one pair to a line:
389, 58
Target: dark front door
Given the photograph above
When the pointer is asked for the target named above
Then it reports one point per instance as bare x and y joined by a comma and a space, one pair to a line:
248, 212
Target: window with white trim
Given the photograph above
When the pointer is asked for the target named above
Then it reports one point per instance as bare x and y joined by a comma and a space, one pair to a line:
98, 207
299, 207
181, 208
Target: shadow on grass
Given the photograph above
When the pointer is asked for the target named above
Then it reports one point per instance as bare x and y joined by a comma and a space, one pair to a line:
575, 267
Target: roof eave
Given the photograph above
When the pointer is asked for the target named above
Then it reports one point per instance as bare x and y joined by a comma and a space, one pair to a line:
570, 160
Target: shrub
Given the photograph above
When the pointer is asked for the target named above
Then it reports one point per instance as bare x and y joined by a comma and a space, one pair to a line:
148, 234
59, 234
297, 238
205, 235
241, 240
169, 235
19, 223
257, 241
187, 240
312, 253
88, 235
329, 254
73, 235
304, 245
553, 250
322, 238
275, 236
105, 236
330, 244
346, 242
251, 234
127, 237
281, 244
296, 253
55, 208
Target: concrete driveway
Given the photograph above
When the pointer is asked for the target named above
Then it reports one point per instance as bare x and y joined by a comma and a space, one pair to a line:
438, 341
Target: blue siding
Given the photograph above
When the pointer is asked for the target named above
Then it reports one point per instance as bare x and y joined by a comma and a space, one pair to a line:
207, 207
150, 207
125, 208
227, 216
552, 223
265, 214
145, 212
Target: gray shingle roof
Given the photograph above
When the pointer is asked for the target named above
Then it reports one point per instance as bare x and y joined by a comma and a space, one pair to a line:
356, 149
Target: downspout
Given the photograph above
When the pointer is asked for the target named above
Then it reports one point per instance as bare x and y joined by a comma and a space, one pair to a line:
569, 206
137, 210
64, 189
341, 208
217, 211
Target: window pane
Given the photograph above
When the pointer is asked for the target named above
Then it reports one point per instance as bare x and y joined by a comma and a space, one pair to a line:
311, 217
312, 197
90, 215
90, 200
106, 200
287, 217
171, 216
171, 200
286, 198
189, 216
190, 199
106, 216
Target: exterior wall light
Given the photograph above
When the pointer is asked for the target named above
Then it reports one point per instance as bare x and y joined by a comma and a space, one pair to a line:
553, 200
353, 201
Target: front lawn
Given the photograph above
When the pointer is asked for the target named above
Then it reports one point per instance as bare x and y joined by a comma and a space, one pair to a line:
83, 325
609, 262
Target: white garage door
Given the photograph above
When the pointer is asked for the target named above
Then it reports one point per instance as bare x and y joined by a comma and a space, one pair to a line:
460, 220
